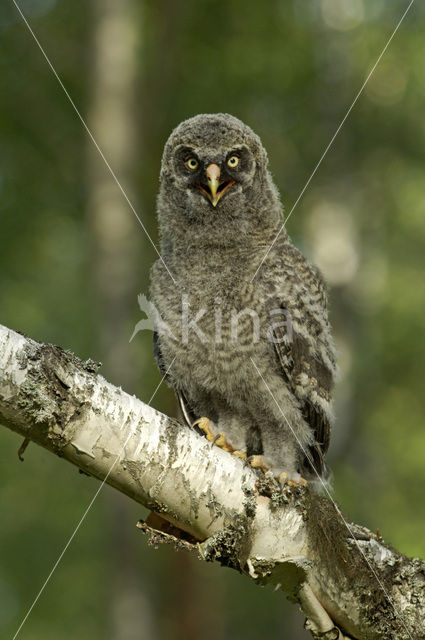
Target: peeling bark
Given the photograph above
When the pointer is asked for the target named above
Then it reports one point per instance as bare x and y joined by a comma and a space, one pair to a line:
349, 583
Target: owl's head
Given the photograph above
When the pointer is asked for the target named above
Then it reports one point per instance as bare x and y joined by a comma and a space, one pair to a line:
214, 171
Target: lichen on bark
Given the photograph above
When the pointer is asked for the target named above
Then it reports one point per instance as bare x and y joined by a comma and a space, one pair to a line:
345, 578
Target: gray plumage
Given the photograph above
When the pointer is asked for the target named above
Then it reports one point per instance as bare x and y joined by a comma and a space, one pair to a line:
213, 247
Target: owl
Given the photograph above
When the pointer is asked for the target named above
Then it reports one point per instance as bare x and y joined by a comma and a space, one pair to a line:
243, 335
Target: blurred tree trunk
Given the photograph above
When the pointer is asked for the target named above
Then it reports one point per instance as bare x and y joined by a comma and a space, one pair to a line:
116, 242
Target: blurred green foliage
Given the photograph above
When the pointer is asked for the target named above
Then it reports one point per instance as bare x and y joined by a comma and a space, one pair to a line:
290, 69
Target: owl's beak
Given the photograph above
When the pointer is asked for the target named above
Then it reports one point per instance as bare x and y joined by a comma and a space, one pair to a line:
215, 189
213, 175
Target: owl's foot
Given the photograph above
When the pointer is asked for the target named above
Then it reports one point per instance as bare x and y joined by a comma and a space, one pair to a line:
239, 454
284, 479
219, 439
257, 462
295, 480
203, 424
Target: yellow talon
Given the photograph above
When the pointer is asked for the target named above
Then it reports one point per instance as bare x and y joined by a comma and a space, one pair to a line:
221, 441
302, 482
204, 425
257, 462
283, 478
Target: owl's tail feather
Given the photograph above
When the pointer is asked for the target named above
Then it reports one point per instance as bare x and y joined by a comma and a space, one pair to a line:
314, 463
316, 470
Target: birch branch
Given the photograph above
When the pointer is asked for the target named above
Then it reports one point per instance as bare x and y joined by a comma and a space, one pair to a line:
349, 583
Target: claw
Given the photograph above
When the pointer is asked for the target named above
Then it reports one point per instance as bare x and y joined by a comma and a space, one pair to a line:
302, 482
220, 440
203, 424
257, 462
284, 480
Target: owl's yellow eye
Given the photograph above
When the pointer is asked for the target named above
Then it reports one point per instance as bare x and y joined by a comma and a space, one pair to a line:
191, 164
233, 162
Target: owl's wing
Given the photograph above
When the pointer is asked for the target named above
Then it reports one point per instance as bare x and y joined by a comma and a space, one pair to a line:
307, 363
157, 354
310, 379
159, 359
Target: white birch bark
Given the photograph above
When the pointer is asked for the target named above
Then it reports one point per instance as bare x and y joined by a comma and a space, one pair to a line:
347, 585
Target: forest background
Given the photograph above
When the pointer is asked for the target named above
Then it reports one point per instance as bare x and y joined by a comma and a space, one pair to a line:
73, 258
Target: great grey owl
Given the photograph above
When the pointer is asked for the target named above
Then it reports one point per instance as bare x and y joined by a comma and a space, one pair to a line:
250, 350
